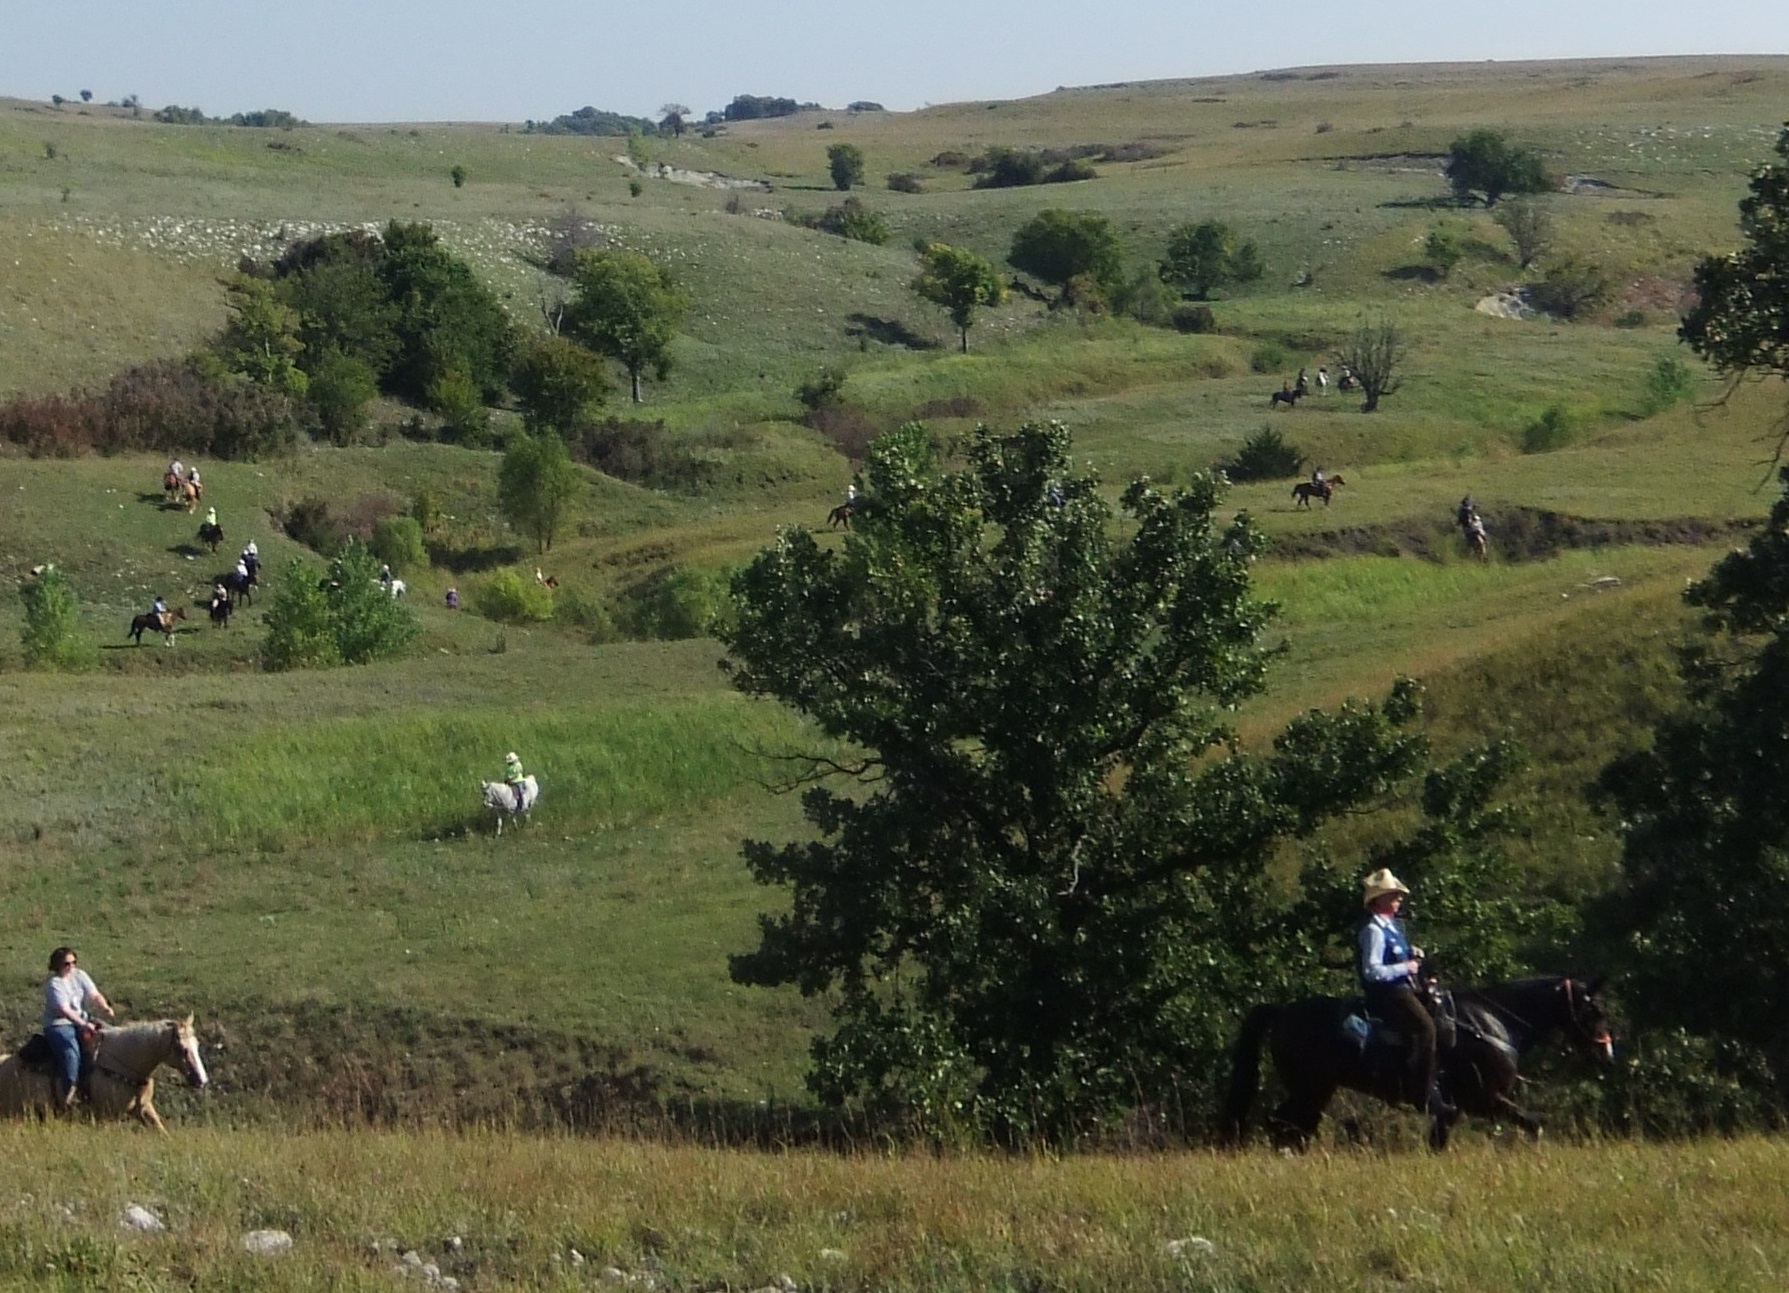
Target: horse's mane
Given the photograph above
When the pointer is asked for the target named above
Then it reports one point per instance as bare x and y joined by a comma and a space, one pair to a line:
134, 1032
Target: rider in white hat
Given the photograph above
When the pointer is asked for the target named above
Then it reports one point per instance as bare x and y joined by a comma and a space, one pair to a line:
1389, 965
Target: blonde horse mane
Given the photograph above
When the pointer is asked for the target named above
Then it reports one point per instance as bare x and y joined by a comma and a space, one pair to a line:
138, 1049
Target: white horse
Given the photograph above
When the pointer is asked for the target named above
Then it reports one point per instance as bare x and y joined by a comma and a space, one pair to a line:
122, 1082
500, 798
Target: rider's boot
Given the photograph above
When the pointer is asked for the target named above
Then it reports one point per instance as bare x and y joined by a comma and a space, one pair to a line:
64, 1094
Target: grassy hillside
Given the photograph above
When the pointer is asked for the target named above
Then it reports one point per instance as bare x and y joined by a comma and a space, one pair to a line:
300, 857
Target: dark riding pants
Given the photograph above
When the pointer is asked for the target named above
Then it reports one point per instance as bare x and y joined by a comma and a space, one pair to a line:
1399, 1006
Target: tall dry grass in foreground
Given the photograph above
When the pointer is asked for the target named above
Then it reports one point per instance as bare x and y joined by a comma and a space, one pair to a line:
497, 1212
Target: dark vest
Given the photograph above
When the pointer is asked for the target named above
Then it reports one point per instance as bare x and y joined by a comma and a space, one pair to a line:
1397, 948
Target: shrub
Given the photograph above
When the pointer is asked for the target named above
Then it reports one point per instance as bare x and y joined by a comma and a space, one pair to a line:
464, 418
310, 522
171, 405
1194, 319
849, 430
341, 387
510, 597
300, 634
642, 453
1630, 319
458, 175
1551, 430
1442, 249
425, 509
52, 635
1266, 455
588, 614
819, 391
950, 160
852, 219
1269, 357
1670, 381
906, 182
397, 541
676, 603
1571, 289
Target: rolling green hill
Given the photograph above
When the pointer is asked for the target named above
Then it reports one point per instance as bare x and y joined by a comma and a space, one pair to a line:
300, 857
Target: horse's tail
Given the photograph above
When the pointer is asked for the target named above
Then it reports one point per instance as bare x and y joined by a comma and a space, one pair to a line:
1245, 1074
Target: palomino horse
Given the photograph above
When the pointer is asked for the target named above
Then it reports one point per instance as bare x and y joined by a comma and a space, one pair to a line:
1314, 1054
190, 493
1306, 490
501, 799
163, 624
122, 1082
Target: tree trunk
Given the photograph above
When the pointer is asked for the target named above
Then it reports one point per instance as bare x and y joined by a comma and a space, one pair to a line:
634, 374
965, 332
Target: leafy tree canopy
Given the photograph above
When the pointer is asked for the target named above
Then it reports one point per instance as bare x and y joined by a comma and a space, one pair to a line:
347, 618
1485, 162
1046, 888
625, 306
959, 281
557, 382
1704, 902
538, 486
845, 163
1057, 246
1207, 255
1740, 322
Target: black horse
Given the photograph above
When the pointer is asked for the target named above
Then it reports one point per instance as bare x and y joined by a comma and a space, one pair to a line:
1285, 395
221, 610
1314, 1053
210, 535
242, 587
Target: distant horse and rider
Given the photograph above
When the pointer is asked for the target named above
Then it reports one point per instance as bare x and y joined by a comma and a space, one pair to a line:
1287, 395
1472, 529
1321, 1044
510, 802
162, 622
1325, 489
211, 534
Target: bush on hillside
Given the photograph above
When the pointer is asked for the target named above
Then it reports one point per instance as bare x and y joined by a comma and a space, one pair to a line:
168, 406
1266, 455
1268, 357
510, 597
906, 182
1551, 430
1571, 289
397, 541
852, 219
1192, 318
347, 617
674, 604
642, 453
52, 635
1668, 382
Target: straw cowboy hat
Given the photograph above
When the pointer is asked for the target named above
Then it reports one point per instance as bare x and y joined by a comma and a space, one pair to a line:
1380, 883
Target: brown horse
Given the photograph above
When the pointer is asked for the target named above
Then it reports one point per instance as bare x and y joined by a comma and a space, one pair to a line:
1306, 490
1314, 1054
163, 624
122, 1082
171, 484
840, 515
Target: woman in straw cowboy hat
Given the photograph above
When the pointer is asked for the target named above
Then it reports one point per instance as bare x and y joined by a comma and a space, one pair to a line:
1389, 965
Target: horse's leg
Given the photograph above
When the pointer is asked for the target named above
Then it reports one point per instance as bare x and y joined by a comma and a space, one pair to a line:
1503, 1106
1296, 1119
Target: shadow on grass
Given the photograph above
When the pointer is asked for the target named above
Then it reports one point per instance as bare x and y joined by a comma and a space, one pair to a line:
191, 550
1414, 274
890, 332
471, 560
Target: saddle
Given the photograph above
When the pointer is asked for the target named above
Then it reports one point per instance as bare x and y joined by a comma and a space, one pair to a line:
37, 1057
1371, 1033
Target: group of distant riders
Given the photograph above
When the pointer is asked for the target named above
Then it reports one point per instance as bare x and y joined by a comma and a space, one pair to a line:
224, 592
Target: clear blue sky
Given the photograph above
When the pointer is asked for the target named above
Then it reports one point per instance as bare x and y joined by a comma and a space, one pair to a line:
508, 60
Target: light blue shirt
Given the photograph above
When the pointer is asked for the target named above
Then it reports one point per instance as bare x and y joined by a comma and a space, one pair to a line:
1384, 948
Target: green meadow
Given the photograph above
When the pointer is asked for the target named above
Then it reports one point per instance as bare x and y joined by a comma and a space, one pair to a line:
412, 1025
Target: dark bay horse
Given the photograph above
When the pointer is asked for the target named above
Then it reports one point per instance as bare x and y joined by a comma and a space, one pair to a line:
1306, 490
160, 624
1495, 1026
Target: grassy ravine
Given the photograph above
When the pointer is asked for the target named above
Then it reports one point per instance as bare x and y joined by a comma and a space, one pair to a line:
501, 1212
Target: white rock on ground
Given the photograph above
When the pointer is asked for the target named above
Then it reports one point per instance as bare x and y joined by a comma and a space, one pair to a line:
137, 1217
267, 1242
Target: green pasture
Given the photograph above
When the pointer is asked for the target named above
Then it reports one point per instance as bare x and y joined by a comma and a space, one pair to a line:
301, 858
506, 1212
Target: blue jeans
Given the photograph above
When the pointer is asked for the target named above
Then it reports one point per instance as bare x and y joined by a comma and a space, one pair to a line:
67, 1044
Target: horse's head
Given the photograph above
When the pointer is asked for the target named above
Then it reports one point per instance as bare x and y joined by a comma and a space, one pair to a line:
1585, 1020
187, 1043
